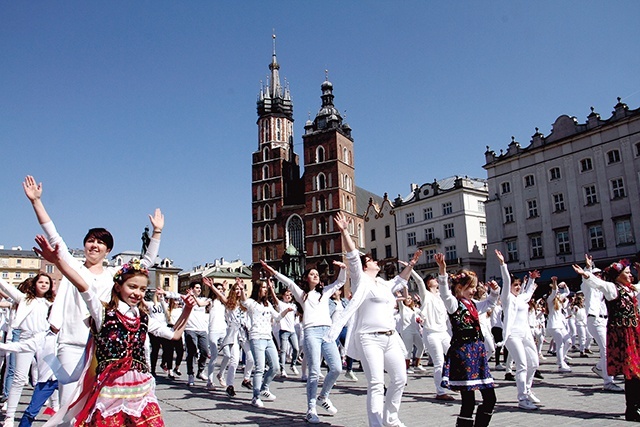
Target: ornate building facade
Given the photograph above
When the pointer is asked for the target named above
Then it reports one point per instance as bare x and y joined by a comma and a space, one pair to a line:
292, 214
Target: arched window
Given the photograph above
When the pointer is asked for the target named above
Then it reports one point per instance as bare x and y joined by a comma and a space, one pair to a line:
322, 181
266, 192
319, 154
259, 213
267, 212
265, 172
265, 153
295, 235
322, 229
323, 247
345, 155
278, 130
349, 207
267, 233
322, 204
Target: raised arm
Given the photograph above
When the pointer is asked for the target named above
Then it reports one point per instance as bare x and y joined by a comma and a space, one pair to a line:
339, 282
52, 254
181, 323
157, 222
33, 191
342, 222
209, 284
450, 301
11, 291
406, 271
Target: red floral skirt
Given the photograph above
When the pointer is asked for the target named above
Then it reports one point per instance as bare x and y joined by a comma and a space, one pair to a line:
150, 417
623, 351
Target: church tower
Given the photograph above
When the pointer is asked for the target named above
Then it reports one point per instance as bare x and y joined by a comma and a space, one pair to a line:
329, 182
275, 170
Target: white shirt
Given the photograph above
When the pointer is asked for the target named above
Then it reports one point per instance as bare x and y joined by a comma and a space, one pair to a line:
261, 317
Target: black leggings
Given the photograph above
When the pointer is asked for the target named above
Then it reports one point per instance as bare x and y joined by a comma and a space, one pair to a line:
469, 402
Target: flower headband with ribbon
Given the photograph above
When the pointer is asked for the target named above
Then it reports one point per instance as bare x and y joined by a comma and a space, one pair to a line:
130, 267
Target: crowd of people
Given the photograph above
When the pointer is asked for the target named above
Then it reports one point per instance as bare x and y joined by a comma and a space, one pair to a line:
91, 349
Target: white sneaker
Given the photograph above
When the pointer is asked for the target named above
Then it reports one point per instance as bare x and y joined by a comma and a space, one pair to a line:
267, 395
351, 376
526, 404
320, 375
409, 371
312, 418
211, 386
294, 370
191, 380
283, 374
202, 376
500, 367
564, 370
421, 368
533, 398
257, 402
9, 422
613, 388
221, 380
326, 405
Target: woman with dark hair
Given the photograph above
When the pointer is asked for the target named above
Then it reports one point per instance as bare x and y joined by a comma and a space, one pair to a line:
262, 314
466, 368
623, 328
30, 318
69, 310
316, 321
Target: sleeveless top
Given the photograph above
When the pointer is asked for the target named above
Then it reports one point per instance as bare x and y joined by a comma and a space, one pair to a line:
465, 323
623, 311
122, 337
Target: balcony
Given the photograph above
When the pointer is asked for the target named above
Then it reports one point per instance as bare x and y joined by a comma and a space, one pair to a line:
430, 242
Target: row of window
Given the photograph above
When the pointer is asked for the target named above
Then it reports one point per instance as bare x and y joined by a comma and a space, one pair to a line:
590, 197
450, 254
447, 209
387, 252
387, 233
554, 173
18, 274
622, 229
430, 235
278, 136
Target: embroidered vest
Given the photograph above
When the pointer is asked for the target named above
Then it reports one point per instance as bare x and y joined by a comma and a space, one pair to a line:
121, 337
623, 311
465, 323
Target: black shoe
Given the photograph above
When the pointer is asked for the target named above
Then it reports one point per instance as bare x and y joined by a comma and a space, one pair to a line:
538, 375
509, 377
177, 372
247, 384
231, 391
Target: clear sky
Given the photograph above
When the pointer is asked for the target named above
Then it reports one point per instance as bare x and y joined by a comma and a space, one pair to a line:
120, 107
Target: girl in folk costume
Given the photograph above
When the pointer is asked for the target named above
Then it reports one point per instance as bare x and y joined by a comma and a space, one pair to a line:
30, 318
623, 328
466, 368
117, 389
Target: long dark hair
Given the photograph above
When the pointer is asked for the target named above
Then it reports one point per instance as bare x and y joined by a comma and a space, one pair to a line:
255, 292
28, 287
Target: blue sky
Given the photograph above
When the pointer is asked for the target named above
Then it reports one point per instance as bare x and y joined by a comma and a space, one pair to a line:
120, 107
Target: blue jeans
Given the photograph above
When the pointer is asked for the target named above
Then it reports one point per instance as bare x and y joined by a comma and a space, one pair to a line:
41, 393
315, 349
286, 338
197, 342
11, 365
263, 349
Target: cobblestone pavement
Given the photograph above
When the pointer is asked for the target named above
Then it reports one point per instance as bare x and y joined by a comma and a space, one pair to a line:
567, 399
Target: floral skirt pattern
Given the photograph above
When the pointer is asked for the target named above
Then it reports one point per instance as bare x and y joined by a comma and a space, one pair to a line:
150, 417
466, 367
623, 351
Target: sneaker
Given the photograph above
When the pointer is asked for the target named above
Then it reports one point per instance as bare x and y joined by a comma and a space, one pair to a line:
320, 375
191, 381
221, 380
177, 372
283, 374
500, 367
537, 374
312, 418
533, 398
410, 371
351, 376
584, 355
49, 411
294, 370
164, 367
526, 404
567, 357
257, 402
588, 351
564, 370
247, 384
303, 378
326, 405
541, 356
210, 385
509, 377
421, 368
267, 395
231, 392
8, 423
171, 376
445, 397
612, 387
202, 376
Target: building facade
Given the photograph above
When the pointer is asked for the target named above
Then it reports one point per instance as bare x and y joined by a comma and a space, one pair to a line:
292, 214
380, 233
448, 217
17, 265
572, 192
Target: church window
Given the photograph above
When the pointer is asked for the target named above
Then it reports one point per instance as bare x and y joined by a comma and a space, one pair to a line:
265, 172
320, 154
322, 181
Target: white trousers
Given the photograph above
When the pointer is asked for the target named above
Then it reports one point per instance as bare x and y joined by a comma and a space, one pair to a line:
232, 356
597, 327
380, 353
562, 338
437, 344
21, 373
522, 348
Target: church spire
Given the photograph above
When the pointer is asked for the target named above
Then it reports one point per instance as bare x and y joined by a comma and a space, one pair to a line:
276, 89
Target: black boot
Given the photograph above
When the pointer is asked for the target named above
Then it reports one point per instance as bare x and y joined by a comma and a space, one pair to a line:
631, 390
482, 417
464, 422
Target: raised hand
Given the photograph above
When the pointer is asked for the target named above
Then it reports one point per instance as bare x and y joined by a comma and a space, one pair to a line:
439, 259
535, 274
341, 221
340, 264
208, 282
157, 221
47, 252
267, 267
588, 261
32, 190
493, 285
500, 257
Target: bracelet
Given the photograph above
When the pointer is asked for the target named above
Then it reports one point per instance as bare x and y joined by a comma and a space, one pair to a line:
156, 231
